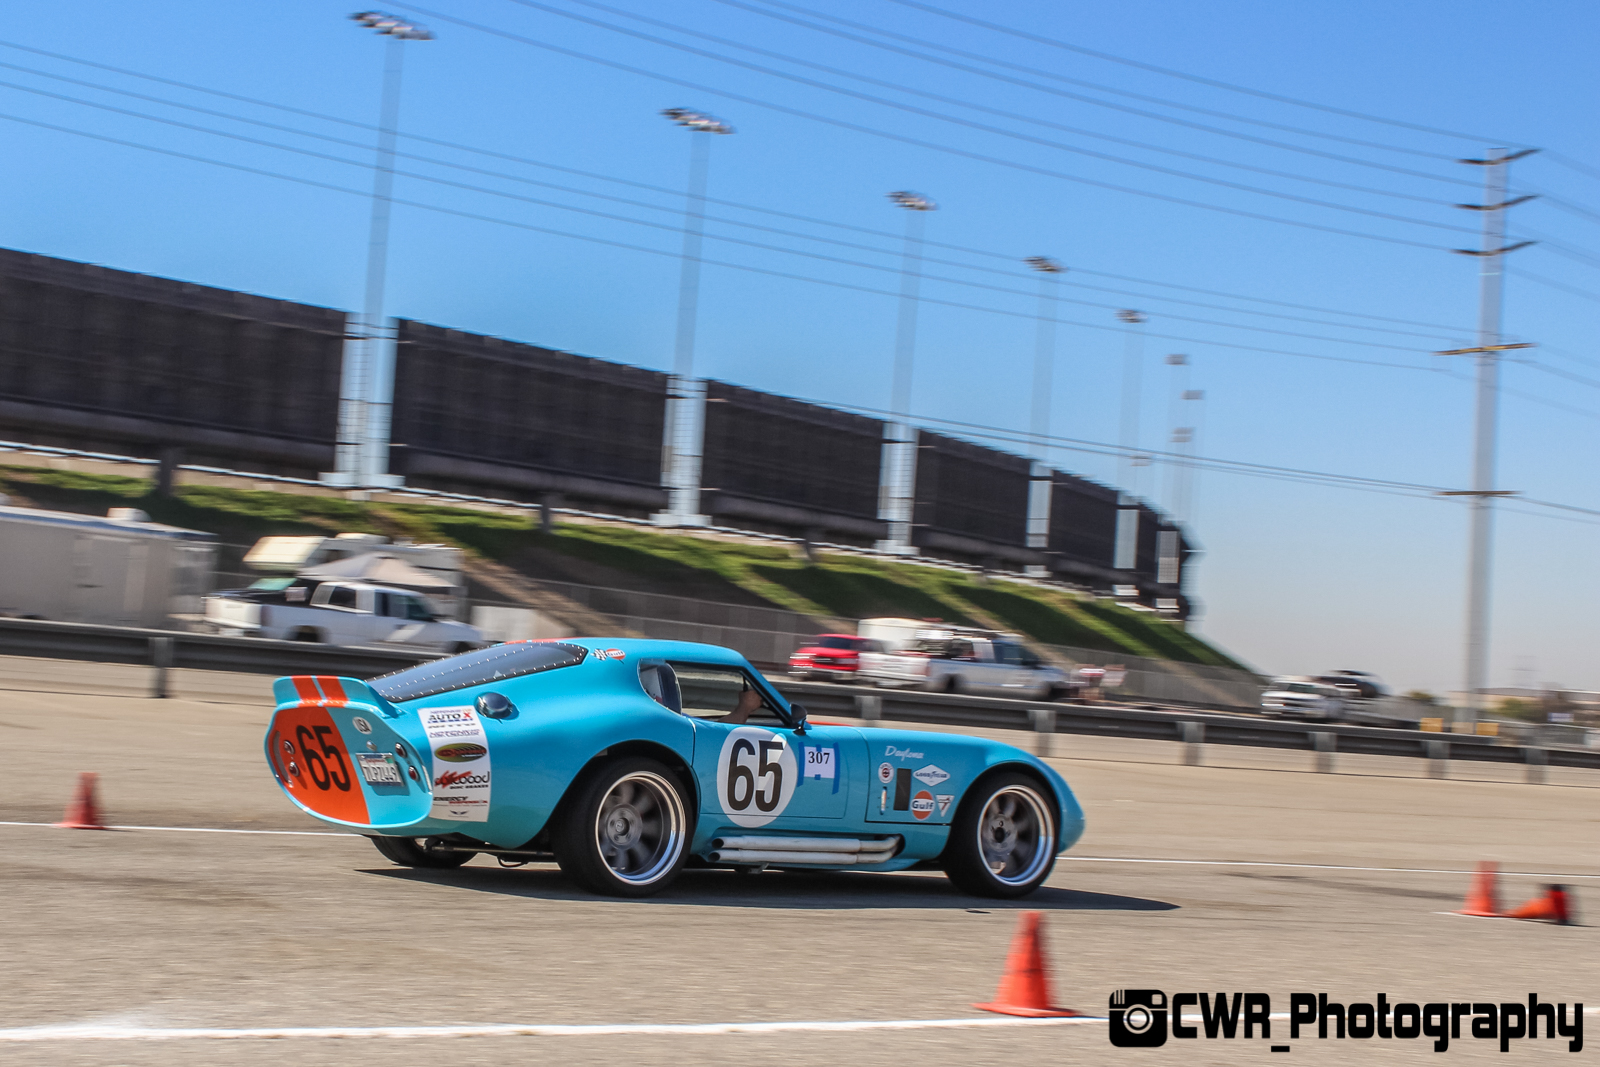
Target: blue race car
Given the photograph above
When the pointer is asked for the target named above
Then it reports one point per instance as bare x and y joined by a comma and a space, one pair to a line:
625, 759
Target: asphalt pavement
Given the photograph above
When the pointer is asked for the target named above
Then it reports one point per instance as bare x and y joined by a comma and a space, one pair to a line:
1255, 876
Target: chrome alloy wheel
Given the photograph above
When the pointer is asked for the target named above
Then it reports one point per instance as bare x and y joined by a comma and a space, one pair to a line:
640, 827
1016, 835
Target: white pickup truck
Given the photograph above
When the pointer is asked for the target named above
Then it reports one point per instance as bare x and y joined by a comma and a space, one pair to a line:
337, 613
955, 661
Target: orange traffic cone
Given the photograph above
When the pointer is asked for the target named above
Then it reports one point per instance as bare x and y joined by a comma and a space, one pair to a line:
84, 811
1025, 987
1550, 908
1482, 898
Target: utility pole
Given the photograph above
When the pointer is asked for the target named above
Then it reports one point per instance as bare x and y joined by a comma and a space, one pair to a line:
686, 398
1178, 386
367, 381
1044, 356
1491, 288
898, 480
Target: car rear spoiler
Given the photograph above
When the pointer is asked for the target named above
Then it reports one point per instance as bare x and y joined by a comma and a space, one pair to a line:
324, 690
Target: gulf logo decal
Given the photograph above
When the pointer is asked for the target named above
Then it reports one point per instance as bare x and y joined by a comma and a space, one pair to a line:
922, 804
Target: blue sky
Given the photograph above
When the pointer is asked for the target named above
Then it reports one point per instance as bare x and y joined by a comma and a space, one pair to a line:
1295, 577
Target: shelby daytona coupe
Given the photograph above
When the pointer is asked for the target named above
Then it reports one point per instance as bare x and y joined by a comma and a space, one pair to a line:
623, 760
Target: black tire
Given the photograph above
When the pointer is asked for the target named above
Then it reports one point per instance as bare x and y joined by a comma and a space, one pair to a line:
306, 634
420, 852
460, 647
624, 828
1020, 831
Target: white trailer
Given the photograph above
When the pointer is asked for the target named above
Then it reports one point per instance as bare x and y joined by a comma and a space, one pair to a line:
119, 570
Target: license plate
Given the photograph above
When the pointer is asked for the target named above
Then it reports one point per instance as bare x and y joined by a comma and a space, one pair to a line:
379, 769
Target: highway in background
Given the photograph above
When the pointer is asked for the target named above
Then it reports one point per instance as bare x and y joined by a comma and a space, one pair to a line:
160, 928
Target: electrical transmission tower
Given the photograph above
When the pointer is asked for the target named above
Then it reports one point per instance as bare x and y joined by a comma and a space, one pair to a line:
1491, 289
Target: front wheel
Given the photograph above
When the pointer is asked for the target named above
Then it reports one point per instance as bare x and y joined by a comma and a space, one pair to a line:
420, 852
625, 830
1003, 840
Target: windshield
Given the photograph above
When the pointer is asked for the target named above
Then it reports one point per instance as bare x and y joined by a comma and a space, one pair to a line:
1299, 687
836, 642
511, 660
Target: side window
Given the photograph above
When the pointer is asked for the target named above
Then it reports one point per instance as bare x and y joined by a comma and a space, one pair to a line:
343, 596
416, 609
1009, 654
381, 605
660, 681
961, 649
722, 693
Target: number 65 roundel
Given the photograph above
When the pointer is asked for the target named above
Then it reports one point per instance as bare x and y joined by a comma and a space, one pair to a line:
755, 775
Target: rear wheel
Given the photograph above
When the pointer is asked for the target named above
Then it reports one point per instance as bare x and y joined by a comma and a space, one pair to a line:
625, 829
420, 852
1003, 840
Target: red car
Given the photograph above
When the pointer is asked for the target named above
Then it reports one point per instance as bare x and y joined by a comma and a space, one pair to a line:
831, 656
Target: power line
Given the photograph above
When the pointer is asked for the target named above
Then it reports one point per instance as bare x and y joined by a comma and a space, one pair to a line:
667, 253
1002, 113
1052, 75
490, 153
903, 139
644, 222
1200, 80
980, 126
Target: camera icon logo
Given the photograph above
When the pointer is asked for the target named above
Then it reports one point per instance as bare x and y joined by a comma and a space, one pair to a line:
1138, 1018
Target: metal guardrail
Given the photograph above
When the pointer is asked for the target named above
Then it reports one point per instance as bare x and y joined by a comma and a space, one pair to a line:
166, 649
1193, 729
163, 650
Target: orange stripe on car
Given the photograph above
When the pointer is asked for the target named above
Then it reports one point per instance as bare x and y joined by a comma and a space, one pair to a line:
306, 686
332, 691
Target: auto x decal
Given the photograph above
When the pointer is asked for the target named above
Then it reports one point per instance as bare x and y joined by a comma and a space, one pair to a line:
456, 736
756, 775
822, 763
931, 776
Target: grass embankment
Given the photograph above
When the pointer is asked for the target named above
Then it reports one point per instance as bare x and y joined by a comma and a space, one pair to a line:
839, 585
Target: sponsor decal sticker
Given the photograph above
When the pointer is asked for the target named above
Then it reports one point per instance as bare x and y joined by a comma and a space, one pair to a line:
886, 773
902, 753
756, 776
945, 800
931, 776
362, 725
456, 735
610, 653
922, 804
821, 762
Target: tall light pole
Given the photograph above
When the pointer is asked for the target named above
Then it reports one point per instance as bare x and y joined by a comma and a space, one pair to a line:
1044, 354
366, 382
1126, 550
1491, 289
898, 488
686, 401
1177, 386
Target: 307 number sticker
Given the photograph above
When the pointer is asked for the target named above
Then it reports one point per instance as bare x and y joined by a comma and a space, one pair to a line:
756, 773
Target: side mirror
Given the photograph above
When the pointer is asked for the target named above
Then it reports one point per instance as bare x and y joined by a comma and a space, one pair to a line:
797, 712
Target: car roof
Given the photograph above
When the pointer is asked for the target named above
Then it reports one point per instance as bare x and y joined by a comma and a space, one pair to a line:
651, 648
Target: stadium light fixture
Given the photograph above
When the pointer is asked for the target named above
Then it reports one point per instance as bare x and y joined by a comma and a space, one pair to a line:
697, 121
392, 26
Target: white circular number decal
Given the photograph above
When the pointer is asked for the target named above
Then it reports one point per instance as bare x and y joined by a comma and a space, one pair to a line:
755, 776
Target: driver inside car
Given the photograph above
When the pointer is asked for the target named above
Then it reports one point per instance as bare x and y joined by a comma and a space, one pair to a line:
749, 701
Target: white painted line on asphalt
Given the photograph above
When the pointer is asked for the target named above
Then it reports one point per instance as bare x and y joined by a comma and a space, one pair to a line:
1316, 867
112, 1032
96, 1032
203, 830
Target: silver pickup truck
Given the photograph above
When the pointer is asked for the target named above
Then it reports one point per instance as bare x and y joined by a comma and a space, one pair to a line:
337, 613
976, 663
